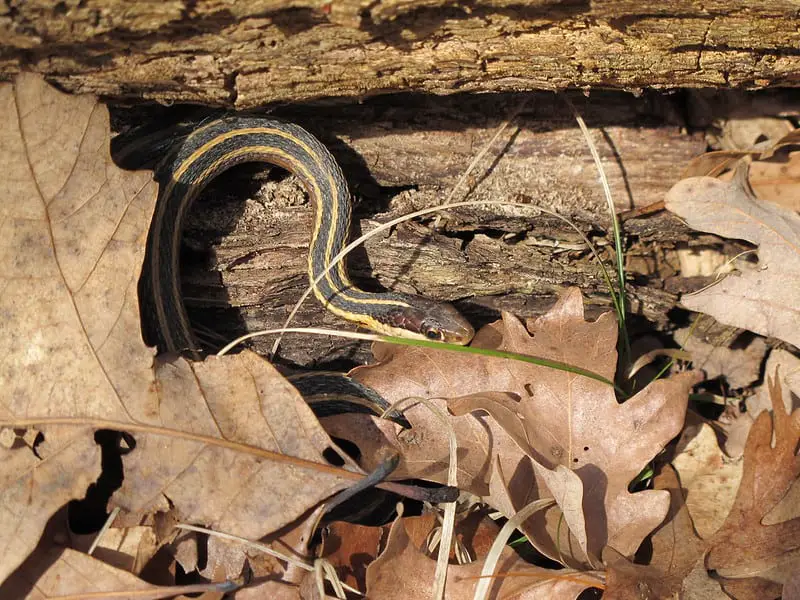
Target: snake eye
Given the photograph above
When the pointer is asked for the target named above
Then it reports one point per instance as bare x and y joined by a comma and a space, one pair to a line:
433, 334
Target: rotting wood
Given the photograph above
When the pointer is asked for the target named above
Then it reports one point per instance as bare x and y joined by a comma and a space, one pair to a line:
250, 54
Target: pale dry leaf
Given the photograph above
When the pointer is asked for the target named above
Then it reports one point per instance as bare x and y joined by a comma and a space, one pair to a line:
698, 585
225, 559
786, 368
791, 589
740, 366
241, 400
578, 423
712, 164
403, 571
424, 448
741, 133
778, 180
186, 550
737, 423
128, 548
744, 547
762, 300
274, 590
774, 176
753, 588
206, 436
558, 532
533, 481
709, 478
676, 566
62, 572
424, 454
73, 228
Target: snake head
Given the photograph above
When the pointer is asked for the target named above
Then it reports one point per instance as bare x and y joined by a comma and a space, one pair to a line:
429, 320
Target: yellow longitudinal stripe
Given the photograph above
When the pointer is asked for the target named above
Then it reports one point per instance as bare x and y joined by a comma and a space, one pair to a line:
298, 166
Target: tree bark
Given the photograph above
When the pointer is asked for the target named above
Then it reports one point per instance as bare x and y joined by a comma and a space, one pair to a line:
250, 54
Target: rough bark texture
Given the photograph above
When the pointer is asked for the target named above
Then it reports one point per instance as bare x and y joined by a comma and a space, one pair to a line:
247, 54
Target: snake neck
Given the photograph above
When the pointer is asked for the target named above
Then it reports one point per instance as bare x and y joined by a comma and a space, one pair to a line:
218, 146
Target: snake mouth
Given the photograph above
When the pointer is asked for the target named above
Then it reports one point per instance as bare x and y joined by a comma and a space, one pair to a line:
462, 337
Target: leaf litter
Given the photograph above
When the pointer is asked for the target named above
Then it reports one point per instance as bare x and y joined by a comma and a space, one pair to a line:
228, 443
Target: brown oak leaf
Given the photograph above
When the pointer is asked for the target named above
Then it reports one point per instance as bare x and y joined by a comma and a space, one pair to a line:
745, 546
555, 417
390, 576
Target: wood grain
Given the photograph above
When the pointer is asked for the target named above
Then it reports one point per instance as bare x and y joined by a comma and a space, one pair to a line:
248, 54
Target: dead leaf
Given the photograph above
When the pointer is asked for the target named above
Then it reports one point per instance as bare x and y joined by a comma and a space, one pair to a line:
744, 547
742, 133
791, 589
712, 164
786, 368
210, 439
560, 419
210, 476
740, 366
676, 567
62, 572
567, 544
74, 228
736, 424
762, 300
274, 590
128, 548
709, 478
778, 180
350, 548
566, 419
774, 175
474, 531
389, 576
424, 448
753, 588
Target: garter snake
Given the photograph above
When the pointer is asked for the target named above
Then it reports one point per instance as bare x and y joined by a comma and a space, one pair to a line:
219, 145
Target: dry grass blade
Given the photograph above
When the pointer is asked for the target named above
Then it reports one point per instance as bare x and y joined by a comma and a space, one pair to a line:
490, 563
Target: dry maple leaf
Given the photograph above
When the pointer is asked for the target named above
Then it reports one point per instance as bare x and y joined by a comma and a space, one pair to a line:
765, 299
560, 419
745, 546
403, 571
206, 435
740, 366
